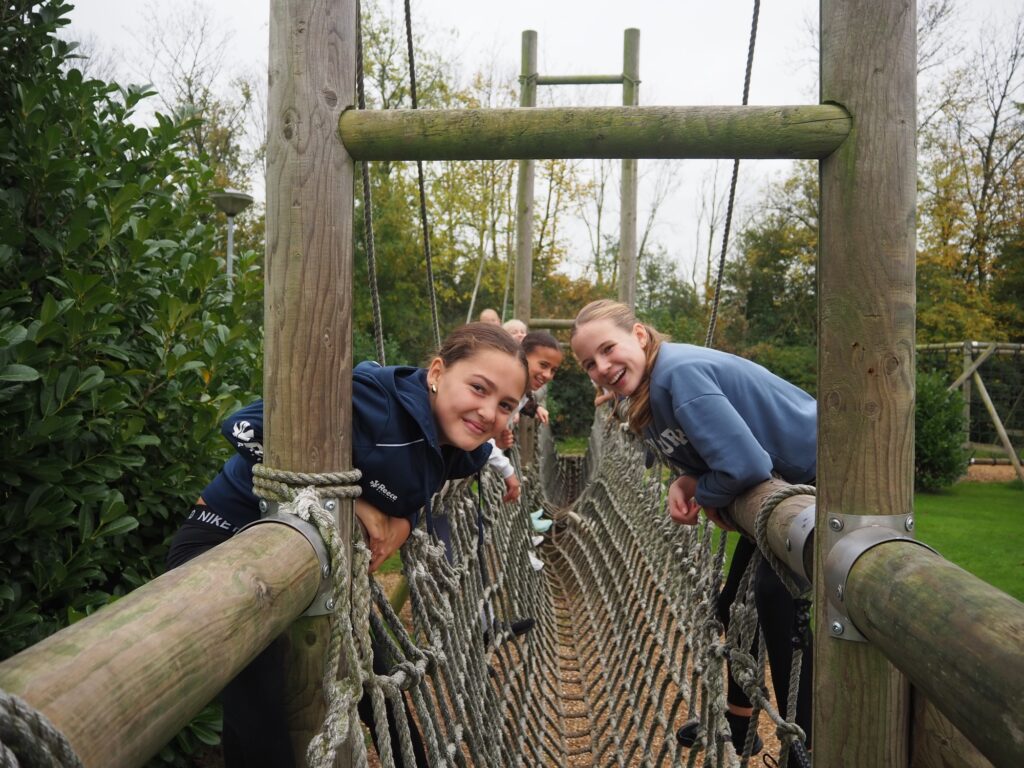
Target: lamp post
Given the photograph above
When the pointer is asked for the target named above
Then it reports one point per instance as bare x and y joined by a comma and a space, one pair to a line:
231, 202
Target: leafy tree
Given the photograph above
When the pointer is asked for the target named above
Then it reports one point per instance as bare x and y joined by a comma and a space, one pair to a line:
972, 152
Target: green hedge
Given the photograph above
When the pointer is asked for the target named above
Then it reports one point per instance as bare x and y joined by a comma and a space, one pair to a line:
120, 349
939, 457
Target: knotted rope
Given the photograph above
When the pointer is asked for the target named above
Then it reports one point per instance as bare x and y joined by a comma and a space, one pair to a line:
29, 740
300, 494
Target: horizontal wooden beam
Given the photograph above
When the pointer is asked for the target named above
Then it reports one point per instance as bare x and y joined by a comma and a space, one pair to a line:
120, 683
580, 79
786, 132
955, 637
550, 322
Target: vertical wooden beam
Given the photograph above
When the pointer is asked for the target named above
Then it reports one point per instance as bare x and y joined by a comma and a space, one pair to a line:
522, 294
866, 306
968, 360
307, 382
627, 205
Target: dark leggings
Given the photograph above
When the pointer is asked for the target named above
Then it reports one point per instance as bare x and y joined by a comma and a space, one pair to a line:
255, 733
776, 614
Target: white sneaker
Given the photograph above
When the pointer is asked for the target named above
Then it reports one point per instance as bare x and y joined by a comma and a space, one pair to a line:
537, 540
535, 561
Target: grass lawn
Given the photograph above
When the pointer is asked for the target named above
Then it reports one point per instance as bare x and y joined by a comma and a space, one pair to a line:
980, 527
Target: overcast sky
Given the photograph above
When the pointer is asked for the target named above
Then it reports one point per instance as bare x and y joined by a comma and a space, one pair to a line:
691, 52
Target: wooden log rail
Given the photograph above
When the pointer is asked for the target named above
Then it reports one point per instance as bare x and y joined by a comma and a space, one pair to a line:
956, 638
780, 132
120, 683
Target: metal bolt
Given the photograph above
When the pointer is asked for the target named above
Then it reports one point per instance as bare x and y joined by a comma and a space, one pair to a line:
330, 505
839, 592
326, 570
835, 524
789, 545
263, 506
837, 628
909, 524
329, 605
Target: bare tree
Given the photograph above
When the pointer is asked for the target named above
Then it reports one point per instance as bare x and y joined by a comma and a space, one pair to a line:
186, 63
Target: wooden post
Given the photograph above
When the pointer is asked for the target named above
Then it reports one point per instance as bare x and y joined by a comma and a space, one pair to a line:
866, 307
627, 206
968, 359
522, 295
307, 382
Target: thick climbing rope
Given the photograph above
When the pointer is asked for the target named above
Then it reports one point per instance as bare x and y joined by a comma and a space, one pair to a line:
29, 740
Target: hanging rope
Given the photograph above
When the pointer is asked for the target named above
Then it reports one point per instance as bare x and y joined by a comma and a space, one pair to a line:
371, 257
419, 177
713, 320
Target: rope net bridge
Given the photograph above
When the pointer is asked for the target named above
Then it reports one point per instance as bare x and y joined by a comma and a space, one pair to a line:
627, 644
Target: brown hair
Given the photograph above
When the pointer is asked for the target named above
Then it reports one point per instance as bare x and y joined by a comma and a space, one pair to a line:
638, 410
535, 339
465, 341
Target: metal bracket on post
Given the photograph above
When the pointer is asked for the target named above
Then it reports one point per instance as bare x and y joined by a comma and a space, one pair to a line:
847, 538
801, 529
323, 603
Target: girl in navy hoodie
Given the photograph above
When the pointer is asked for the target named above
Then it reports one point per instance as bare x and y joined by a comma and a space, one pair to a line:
726, 424
413, 429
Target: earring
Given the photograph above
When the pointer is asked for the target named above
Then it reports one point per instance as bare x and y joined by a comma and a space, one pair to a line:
433, 388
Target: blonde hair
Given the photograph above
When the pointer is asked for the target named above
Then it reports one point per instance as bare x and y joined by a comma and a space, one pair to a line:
638, 409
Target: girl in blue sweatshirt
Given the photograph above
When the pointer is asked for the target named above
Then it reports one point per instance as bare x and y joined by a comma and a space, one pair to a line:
727, 424
412, 430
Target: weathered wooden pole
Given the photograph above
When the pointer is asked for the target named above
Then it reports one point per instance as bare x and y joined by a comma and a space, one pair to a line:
776, 132
968, 359
120, 683
523, 292
307, 382
957, 638
628, 184
866, 308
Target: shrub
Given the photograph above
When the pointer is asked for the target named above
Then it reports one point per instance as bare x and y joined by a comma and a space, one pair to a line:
939, 457
121, 350
571, 401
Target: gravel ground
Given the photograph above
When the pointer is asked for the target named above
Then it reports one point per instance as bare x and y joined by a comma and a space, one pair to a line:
990, 473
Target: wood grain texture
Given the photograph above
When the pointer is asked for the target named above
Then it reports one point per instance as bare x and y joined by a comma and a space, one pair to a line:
866, 306
307, 381
595, 132
957, 639
120, 683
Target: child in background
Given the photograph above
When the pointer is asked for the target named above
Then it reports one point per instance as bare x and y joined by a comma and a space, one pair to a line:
413, 429
728, 424
543, 356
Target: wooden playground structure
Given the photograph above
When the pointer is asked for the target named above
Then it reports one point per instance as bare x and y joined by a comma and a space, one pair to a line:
934, 678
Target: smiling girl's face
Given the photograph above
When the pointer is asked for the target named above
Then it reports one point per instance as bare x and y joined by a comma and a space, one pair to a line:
475, 397
611, 356
544, 362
